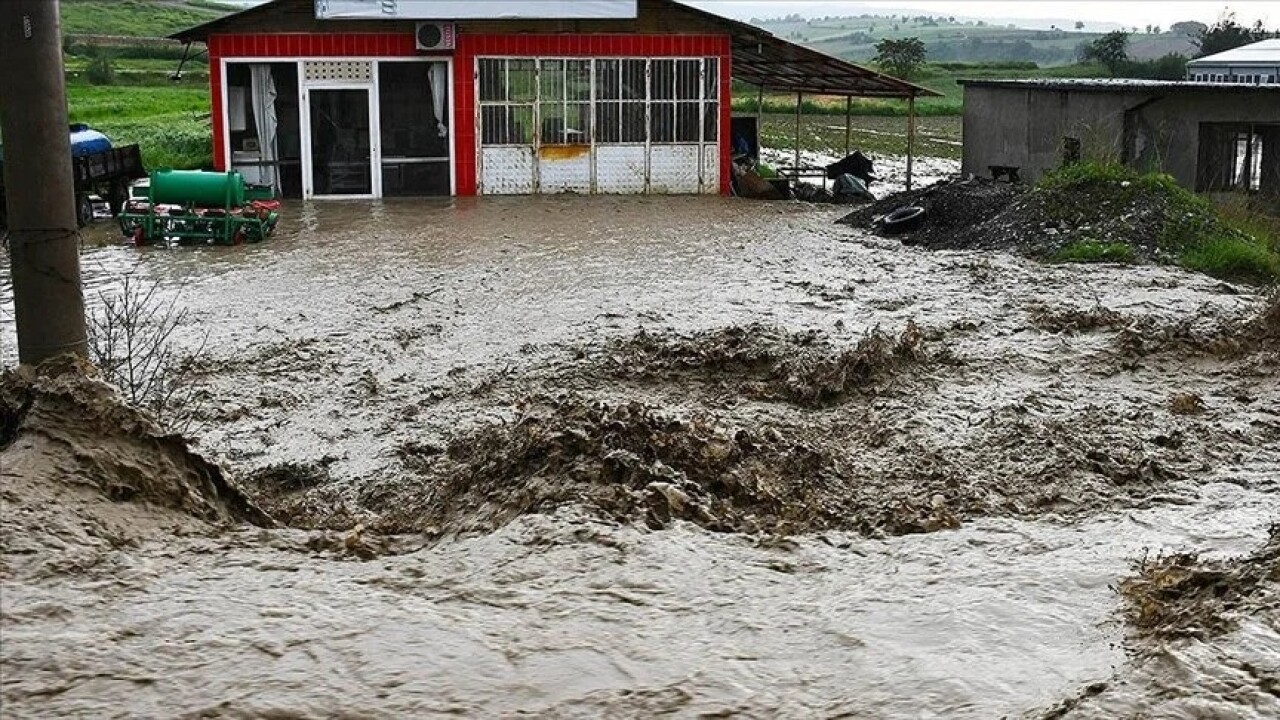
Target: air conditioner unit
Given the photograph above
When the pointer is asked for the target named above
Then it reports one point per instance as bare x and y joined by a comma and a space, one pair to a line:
435, 36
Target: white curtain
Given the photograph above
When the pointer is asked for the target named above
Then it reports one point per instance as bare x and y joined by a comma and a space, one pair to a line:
439, 93
264, 117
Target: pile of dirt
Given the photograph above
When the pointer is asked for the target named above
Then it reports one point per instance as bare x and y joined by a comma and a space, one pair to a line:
767, 363
1184, 595
952, 209
1115, 211
73, 451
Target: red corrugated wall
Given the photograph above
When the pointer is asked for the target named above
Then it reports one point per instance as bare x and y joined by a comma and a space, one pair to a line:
375, 45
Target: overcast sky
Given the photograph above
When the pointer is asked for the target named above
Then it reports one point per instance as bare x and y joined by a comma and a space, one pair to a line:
1123, 12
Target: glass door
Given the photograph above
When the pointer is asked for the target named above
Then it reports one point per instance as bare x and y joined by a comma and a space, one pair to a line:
341, 142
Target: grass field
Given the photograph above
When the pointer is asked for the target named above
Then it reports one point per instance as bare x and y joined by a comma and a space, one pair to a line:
935, 136
854, 38
170, 122
149, 18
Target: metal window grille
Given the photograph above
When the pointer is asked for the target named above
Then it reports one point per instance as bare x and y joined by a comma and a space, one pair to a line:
550, 101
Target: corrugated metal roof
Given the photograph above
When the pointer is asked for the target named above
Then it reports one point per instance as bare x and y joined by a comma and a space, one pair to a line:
1120, 85
1263, 52
759, 57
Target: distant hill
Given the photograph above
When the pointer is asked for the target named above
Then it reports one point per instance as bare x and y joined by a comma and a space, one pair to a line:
142, 18
956, 40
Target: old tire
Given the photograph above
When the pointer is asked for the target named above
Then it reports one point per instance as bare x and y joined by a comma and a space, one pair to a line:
84, 210
904, 219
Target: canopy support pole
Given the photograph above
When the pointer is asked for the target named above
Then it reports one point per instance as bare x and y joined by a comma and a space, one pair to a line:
848, 123
911, 137
799, 102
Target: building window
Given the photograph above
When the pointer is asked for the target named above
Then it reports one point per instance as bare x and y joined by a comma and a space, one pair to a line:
1238, 157
599, 101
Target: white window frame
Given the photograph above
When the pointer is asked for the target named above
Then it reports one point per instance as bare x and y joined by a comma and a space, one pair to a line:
375, 119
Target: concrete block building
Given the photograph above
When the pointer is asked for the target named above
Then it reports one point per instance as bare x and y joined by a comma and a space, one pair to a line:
1211, 137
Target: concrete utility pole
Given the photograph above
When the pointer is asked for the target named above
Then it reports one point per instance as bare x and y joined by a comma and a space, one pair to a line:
44, 238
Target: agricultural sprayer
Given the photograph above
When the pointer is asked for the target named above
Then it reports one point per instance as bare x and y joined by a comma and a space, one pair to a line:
202, 208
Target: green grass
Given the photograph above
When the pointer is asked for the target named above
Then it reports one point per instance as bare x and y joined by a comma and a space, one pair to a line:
1234, 257
1091, 252
146, 18
937, 136
1234, 242
169, 122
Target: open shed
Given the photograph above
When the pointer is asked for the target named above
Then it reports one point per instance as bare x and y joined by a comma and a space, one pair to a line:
367, 102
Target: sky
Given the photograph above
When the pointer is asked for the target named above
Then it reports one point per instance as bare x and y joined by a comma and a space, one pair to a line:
1044, 12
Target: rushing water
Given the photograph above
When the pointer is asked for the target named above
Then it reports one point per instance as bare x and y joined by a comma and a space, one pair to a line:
565, 616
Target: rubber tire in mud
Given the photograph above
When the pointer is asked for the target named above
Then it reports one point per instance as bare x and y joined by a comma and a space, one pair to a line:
139, 237
904, 219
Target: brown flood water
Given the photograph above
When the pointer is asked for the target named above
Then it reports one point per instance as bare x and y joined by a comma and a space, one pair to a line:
364, 328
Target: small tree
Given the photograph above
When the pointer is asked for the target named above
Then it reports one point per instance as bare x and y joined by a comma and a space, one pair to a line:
101, 69
1227, 34
1110, 50
132, 340
902, 58
1079, 25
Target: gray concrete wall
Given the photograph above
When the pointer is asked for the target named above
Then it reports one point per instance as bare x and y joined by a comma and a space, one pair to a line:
1025, 127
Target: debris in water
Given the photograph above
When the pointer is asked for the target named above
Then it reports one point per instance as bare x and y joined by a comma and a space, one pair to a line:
1182, 594
767, 363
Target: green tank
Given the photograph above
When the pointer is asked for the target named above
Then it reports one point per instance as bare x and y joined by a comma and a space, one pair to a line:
197, 188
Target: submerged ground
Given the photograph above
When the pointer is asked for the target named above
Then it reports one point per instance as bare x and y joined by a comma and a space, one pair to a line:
623, 456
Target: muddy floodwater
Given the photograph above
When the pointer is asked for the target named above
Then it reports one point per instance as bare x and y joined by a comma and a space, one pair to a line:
625, 457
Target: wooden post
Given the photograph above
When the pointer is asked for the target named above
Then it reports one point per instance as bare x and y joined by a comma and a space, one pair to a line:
911, 137
799, 102
848, 123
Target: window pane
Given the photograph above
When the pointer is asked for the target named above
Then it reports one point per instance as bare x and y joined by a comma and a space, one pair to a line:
711, 122
577, 80
608, 122
552, 123
633, 80
521, 86
711, 79
663, 78
688, 120
493, 124
503, 125
688, 80
493, 80
552, 80
662, 126
607, 76
577, 120
633, 122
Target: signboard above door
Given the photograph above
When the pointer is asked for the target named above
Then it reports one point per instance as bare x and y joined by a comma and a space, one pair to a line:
476, 9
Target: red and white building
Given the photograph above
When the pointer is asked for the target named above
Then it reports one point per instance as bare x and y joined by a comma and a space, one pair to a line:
374, 98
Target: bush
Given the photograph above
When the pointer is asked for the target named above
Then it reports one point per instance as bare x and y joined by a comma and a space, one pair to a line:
101, 69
